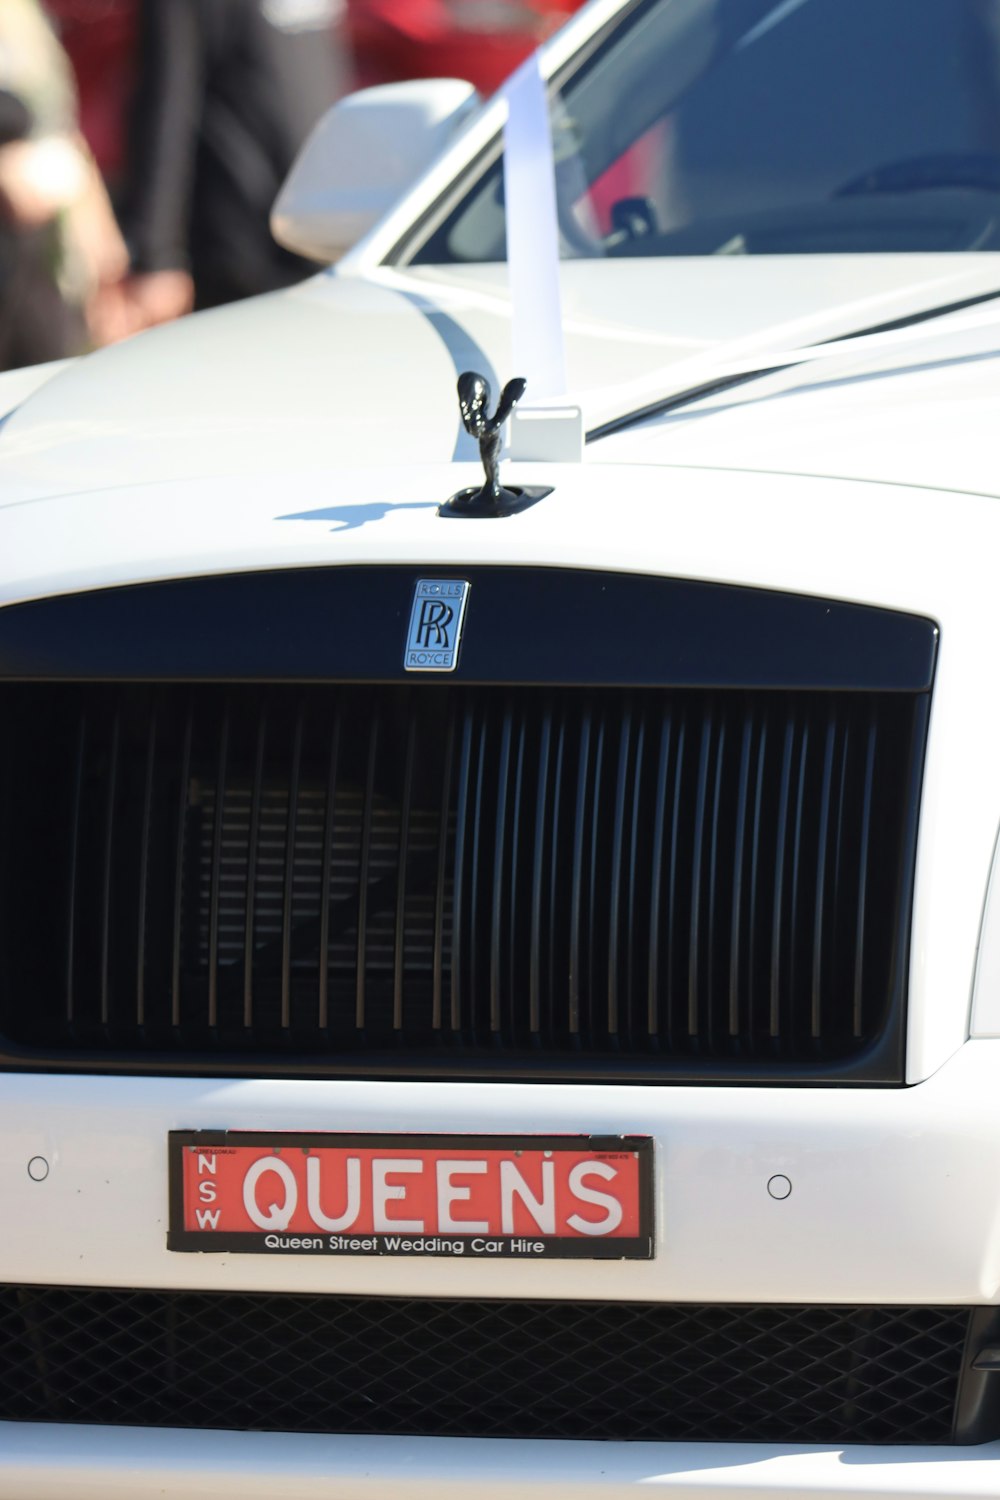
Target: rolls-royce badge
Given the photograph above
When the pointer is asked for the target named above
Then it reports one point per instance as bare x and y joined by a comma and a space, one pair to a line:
436, 625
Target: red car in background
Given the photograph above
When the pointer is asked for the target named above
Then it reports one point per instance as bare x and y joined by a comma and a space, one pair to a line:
481, 40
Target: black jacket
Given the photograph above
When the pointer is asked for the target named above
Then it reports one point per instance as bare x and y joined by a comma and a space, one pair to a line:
225, 94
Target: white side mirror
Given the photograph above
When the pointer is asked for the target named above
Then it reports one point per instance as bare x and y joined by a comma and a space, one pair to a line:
361, 157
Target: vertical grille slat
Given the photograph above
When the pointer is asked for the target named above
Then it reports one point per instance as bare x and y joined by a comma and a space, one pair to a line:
736, 932
461, 843
295, 773
697, 857
497, 888
634, 936
822, 859
753, 943
460, 877
777, 914
866, 818
555, 1008
514, 921
405, 814
329, 826
215, 885
617, 860
845, 755
656, 881
596, 802
476, 917
714, 877
74, 864
442, 874
144, 838
111, 797
253, 841
364, 875
537, 877
576, 891
673, 990
183, 792
796, 895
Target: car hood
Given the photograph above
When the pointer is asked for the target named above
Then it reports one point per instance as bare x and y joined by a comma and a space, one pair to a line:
913, 406
343, 371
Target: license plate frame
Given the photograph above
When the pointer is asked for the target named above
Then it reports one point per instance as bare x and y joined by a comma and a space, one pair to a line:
296, 1147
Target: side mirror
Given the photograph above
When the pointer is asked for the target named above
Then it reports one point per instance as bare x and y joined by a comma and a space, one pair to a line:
361, 157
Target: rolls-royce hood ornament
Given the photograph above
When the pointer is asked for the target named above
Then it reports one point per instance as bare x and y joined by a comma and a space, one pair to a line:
473, 401
493, 499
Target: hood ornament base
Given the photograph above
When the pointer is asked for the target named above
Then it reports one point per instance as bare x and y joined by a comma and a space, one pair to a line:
470, 503
493, 499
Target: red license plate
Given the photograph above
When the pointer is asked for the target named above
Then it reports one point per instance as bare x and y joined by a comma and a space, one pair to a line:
522, 1197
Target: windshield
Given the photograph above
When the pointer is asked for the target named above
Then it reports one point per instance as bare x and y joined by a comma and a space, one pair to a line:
764, 127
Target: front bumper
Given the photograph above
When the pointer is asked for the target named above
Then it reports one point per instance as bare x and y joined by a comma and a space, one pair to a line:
895, 1193
895, 1199
78, 1463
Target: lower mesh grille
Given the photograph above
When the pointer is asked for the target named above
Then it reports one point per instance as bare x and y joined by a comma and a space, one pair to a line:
481, 1369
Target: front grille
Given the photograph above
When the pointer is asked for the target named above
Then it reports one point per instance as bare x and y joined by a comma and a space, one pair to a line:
702, 878
279, 1362
459, 878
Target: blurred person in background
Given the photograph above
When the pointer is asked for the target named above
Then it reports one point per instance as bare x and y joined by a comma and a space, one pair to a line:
225, 93
61, 252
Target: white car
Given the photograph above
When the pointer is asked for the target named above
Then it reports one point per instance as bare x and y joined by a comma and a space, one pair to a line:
505, 998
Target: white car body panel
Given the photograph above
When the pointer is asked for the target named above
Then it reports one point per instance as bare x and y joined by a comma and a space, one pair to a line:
17, 385
78, 1463
986, 992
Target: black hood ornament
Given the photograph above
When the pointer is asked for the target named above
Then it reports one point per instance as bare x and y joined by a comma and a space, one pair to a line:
493, 499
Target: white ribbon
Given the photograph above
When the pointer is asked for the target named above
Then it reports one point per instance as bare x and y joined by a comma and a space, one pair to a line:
533, 236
